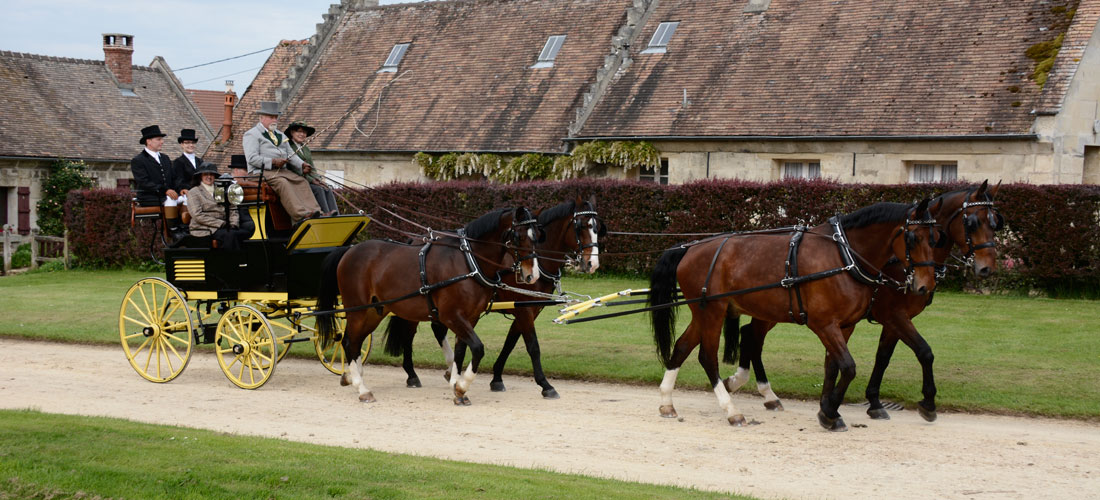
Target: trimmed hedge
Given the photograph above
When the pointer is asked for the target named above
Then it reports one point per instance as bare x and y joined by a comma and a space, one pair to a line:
1052, 241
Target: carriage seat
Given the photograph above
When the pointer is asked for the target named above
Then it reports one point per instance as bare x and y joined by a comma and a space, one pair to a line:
254, 193
138, 211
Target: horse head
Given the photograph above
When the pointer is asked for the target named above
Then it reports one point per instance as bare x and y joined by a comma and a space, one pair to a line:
588, 229
520, 240
970, 220
915, 247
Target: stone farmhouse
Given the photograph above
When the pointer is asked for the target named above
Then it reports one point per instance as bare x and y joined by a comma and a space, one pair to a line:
62, 108
852, 90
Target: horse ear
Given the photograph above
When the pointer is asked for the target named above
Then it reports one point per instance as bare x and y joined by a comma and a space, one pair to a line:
993, 190
592, 201
982, 188
922, 207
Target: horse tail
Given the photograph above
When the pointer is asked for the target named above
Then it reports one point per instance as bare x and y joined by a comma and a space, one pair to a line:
662, 291
326, 297
399, 336
731, 332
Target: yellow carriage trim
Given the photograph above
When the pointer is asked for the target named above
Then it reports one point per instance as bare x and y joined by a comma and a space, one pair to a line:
327, 232
189, 270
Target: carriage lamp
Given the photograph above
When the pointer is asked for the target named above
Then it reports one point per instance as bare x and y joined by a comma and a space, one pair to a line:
236, 193
226, 187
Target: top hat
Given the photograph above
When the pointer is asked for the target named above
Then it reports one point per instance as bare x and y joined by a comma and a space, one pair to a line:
299, 125
188, 134
238, 161
269, 108
150, 132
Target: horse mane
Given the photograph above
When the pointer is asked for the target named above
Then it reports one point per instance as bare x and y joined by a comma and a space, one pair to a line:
874, 214
552, 214
486, 223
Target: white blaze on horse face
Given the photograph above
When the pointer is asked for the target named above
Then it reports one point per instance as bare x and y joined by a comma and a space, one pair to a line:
667, 384
594, 252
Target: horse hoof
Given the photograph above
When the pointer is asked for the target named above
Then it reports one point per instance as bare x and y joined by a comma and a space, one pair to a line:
366, 397
462, 401
668, 411
447, 375
773, 405
413, 383
927, 415
344, 380
831, 424
878, 414
496, 386
737, 420
550, 393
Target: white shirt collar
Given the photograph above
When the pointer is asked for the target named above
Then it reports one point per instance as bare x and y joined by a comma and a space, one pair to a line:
155, 156
191, 156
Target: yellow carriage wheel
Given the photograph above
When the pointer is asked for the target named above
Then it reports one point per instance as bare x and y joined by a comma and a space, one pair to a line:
333, 356
154, 325
246, 347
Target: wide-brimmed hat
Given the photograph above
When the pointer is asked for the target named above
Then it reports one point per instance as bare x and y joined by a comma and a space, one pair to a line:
238, 161
299, 125
268, 108
205, 168
187, 134
150, 132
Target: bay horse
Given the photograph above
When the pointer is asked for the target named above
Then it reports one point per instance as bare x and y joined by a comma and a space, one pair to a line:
968, 219
758, 274
572, 230
377, 277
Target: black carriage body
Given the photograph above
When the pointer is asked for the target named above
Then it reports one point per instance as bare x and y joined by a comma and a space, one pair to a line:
289, 265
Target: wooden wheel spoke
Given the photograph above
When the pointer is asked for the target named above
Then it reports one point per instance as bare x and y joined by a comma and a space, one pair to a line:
173, 349
175, 306
164, 349
148, 320
145, 301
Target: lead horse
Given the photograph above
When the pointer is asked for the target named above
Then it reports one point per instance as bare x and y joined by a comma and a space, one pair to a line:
377, 277
572, 229
823, 277
968, 219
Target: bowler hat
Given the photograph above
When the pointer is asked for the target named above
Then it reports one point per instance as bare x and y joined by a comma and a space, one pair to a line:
299, 125
269, 108
188, 134
238, 161
150, 132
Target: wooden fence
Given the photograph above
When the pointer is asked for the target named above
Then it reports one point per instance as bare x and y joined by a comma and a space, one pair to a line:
43, 248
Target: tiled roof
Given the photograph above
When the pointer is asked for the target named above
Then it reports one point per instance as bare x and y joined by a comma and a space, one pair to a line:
847, 68
1069, 57
465, 83
263, 88
61, 107
211, 103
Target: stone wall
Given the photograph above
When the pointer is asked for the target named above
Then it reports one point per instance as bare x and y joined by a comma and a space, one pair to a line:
16, 173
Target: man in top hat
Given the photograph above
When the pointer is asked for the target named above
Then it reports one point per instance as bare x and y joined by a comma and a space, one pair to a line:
156, 182
268, 153
184, 166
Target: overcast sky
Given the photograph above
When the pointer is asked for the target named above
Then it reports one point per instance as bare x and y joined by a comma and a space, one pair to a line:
184, 33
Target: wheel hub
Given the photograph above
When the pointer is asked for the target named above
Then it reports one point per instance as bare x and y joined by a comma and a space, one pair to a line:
240, 349
149, 331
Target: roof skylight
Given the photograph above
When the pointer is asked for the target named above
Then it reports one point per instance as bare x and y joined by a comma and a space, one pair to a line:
659, 43
396, 54
550, 51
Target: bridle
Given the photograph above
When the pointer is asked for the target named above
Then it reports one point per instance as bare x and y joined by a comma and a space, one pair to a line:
530, 224
911, 241
970, 224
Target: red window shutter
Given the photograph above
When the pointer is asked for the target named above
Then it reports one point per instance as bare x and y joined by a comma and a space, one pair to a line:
24, 195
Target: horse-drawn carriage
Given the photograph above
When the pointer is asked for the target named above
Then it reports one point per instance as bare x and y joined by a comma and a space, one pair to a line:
253, 304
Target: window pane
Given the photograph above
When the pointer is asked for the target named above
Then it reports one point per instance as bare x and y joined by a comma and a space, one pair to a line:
792, 170
396, 54
550, 50
663, 34
814, 171
950, 173
923, 172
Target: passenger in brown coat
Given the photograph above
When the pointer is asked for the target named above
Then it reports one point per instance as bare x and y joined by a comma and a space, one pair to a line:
208, 216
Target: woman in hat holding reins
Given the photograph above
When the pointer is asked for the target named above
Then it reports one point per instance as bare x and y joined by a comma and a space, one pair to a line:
298, 132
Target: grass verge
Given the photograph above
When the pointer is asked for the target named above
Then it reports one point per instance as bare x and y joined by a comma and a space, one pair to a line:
63, 456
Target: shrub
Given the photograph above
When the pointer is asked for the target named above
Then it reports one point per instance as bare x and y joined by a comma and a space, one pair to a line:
64, 176
22, 256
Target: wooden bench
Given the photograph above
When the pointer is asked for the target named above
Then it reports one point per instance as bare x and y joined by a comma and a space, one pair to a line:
254, 193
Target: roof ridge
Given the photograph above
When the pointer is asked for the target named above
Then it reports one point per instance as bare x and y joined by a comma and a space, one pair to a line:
42, 57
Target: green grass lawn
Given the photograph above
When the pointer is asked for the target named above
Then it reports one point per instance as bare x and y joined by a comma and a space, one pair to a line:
61, 457
993, 353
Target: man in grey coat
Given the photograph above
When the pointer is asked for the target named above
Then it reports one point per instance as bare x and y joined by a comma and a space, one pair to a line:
268, 151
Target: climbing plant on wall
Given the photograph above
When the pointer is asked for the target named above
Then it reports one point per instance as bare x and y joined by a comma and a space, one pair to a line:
537, 166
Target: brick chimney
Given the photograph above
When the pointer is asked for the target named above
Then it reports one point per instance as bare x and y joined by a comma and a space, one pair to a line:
118, 53
227, 121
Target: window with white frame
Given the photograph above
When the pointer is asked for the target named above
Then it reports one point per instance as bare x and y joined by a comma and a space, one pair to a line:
653, 174
801, 169
396, 54
550, 51
933, 171
659, 43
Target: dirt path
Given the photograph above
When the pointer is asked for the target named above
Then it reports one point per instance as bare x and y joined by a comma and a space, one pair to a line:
594, 429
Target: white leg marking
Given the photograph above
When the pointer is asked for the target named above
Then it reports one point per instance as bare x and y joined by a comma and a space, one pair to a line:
724, 401
467, 378
738, 379
357, 378
448, 353
765, 389
454, 374
667, 384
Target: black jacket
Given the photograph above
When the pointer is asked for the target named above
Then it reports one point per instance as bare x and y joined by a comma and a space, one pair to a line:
153, 178
184, 171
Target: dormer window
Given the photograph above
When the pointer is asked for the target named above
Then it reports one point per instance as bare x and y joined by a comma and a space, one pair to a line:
398, 52
550, 51
659, 42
